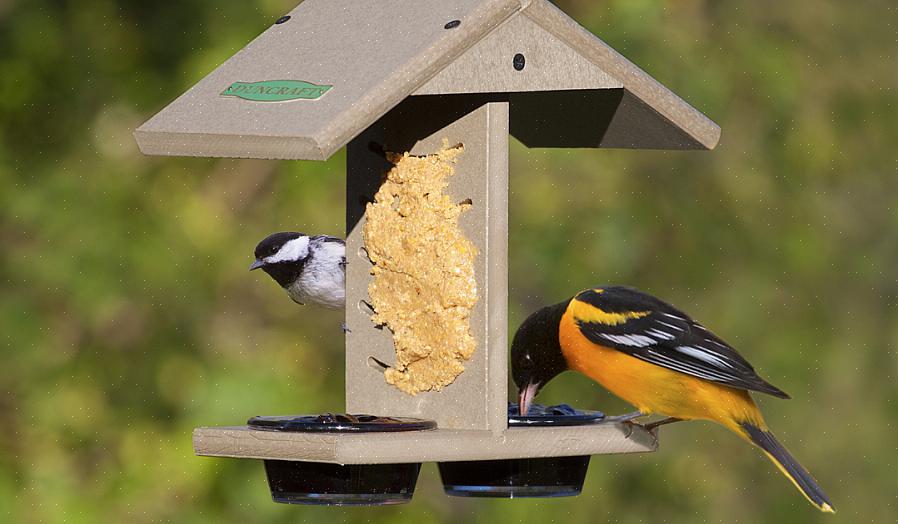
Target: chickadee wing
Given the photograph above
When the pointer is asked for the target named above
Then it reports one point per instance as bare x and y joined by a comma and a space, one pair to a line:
328, 238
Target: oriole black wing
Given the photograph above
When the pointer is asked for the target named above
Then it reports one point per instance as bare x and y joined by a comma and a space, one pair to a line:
652, 330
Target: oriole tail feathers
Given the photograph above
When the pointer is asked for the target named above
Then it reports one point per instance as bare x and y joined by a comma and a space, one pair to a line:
789, 466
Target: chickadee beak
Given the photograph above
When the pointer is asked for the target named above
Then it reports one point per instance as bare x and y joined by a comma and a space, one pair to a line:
257, 264
525, 398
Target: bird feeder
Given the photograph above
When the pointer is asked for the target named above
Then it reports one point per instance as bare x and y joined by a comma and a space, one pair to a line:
412, 76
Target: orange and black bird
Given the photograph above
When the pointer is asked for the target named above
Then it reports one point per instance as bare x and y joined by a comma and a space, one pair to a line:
655, 357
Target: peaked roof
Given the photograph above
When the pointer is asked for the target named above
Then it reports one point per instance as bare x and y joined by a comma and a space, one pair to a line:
375, 54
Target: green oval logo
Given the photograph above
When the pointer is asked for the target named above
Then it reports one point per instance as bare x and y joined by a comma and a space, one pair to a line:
276, 90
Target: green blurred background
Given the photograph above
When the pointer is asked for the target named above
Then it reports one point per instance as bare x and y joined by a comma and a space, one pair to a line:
128, 316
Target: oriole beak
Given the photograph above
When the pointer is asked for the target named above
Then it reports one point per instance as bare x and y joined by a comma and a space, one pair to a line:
257, 264
525, 398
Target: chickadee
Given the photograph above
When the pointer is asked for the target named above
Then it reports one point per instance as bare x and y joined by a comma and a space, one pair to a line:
311, 269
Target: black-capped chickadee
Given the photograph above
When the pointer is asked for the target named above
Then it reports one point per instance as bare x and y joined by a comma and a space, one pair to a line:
311, 269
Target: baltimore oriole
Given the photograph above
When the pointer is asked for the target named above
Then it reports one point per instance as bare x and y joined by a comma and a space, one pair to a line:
655, 357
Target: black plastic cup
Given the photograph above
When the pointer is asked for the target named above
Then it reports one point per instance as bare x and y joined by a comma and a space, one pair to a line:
334, 485
527, 477
294, 482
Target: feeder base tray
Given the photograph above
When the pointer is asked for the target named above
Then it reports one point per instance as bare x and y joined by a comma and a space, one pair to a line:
439, 445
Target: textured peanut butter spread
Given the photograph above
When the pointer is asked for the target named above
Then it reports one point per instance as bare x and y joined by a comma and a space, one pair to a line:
423, 288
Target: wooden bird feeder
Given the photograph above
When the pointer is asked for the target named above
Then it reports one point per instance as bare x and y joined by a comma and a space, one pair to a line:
408, 75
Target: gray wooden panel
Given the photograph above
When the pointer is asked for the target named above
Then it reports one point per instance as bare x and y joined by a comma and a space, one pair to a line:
549, 64
652, 93
477, 399
373, 54
441, 445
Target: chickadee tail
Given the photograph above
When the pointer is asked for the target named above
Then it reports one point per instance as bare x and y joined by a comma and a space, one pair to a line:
788, 465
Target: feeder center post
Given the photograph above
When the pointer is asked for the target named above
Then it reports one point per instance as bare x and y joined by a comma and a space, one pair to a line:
422, 125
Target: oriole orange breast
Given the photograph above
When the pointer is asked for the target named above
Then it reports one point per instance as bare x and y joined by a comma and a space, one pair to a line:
655, 357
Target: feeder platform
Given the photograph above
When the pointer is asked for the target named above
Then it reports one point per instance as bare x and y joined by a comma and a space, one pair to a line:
440, 445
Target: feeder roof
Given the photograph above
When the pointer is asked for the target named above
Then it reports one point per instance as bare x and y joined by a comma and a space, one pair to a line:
308, 85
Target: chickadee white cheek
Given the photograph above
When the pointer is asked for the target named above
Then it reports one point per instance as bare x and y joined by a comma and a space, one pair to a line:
295, 250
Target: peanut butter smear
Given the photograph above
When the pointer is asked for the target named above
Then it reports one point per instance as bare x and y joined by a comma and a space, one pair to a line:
424, 287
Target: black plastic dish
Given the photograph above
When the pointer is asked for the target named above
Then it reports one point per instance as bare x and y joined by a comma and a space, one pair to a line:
528, 477
294, 482
340, 423
560, 415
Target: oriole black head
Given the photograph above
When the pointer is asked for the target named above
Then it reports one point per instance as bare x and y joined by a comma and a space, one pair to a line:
536, 353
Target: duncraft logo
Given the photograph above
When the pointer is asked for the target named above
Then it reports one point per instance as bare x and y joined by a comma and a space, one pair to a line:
276, 90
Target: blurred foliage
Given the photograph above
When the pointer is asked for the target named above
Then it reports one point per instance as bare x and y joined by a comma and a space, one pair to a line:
129, 317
